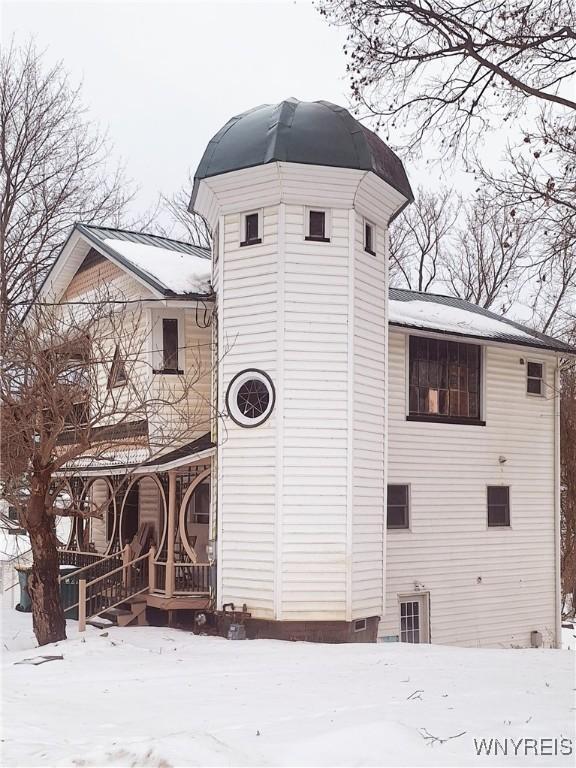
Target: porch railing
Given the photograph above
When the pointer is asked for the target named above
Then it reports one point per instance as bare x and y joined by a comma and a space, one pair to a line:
191, 578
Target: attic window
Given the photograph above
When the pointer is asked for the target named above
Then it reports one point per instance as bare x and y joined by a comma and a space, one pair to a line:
251, 229
317, 226
118, 375
369, 238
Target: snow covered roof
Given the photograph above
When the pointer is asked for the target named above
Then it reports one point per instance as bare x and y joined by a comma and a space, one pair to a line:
170, 266
447, 314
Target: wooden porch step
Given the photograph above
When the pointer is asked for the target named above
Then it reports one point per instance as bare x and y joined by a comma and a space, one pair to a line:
196, 602
101, 623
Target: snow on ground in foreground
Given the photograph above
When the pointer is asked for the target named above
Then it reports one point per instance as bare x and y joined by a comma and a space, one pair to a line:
146, 696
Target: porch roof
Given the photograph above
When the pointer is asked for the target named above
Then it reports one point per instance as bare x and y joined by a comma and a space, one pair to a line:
138, 461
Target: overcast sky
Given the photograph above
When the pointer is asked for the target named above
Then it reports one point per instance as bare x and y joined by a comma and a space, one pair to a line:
163, 77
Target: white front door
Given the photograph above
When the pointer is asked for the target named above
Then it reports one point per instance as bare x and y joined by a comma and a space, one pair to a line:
414, 619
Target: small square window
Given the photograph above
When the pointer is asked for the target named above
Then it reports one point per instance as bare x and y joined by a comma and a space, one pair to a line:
535, 378
398, 507
317, 226
498, 506
251, 229
369, 239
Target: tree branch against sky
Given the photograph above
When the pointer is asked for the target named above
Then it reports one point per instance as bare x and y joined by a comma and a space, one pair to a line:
447, 71
54, 171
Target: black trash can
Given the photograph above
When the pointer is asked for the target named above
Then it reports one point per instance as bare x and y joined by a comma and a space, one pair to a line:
69, 591
25, 603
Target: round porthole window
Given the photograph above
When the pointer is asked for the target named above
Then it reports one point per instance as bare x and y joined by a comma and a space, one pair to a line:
250, 398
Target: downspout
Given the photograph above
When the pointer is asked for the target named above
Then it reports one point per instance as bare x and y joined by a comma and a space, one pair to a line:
557, 508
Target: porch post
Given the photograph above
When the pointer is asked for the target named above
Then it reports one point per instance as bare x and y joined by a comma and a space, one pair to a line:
171, 533
151, 569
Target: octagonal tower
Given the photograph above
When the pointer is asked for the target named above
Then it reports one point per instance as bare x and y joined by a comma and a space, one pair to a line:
299, 196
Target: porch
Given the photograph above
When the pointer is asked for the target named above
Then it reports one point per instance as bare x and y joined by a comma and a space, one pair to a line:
144, 536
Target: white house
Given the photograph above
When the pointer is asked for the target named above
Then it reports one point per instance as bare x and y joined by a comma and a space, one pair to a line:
371, 462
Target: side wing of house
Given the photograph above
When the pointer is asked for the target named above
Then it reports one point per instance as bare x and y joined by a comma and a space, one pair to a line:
471, 536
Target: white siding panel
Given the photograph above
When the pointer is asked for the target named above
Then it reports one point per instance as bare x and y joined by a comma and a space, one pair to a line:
487, 586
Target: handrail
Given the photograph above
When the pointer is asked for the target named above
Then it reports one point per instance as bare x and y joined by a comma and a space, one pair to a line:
120, 568
87, 567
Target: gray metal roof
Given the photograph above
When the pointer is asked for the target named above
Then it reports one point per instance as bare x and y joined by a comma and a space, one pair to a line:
98, 235
308, 132
517, 333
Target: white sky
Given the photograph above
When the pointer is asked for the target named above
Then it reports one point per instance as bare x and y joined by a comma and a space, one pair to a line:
163, 77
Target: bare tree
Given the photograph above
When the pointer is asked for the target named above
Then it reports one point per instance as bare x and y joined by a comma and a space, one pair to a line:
449, 70
421, 240
75, 376
494, 254
54, 172
178, 222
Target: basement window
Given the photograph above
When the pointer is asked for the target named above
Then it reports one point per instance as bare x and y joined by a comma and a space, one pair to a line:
251, 229
498, 506
316, 227
369, 244
535, 378
360, 625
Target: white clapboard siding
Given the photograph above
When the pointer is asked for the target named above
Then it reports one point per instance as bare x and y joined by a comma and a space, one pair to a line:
369, 406
487, 586
247, 493
315, 394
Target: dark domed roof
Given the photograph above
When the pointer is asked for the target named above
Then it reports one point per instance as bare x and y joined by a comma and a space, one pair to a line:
309, 132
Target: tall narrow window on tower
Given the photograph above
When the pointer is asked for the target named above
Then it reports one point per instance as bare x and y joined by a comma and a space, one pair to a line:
316, 229
251, 229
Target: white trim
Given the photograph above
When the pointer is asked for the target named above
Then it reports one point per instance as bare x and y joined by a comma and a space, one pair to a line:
221, 395
423, 599
386, 413
327, 221
279, 419
243, 215
367, 222
183, 462
557, 509
350, 413
542, 378
157, 340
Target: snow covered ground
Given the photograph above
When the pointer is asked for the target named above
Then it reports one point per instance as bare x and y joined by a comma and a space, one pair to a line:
160, 697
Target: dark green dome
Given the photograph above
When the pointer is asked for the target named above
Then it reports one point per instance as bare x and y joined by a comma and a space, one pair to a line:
308, 132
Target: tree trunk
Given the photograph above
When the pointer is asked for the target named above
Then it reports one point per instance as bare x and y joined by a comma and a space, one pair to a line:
47, 613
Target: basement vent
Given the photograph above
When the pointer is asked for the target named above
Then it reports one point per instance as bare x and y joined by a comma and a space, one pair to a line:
360, 625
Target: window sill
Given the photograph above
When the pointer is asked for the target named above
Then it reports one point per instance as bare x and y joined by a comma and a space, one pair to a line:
372, 253
447, 420
118, 384
398, 528
251, 242
168, 371
317, 239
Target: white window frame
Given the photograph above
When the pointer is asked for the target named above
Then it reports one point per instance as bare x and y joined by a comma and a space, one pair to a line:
157, 339
409, 527
327, 223
444, 337
542, 393
368, 223
423, 599
260, 213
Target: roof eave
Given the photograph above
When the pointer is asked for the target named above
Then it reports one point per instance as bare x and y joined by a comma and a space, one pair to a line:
559, 349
